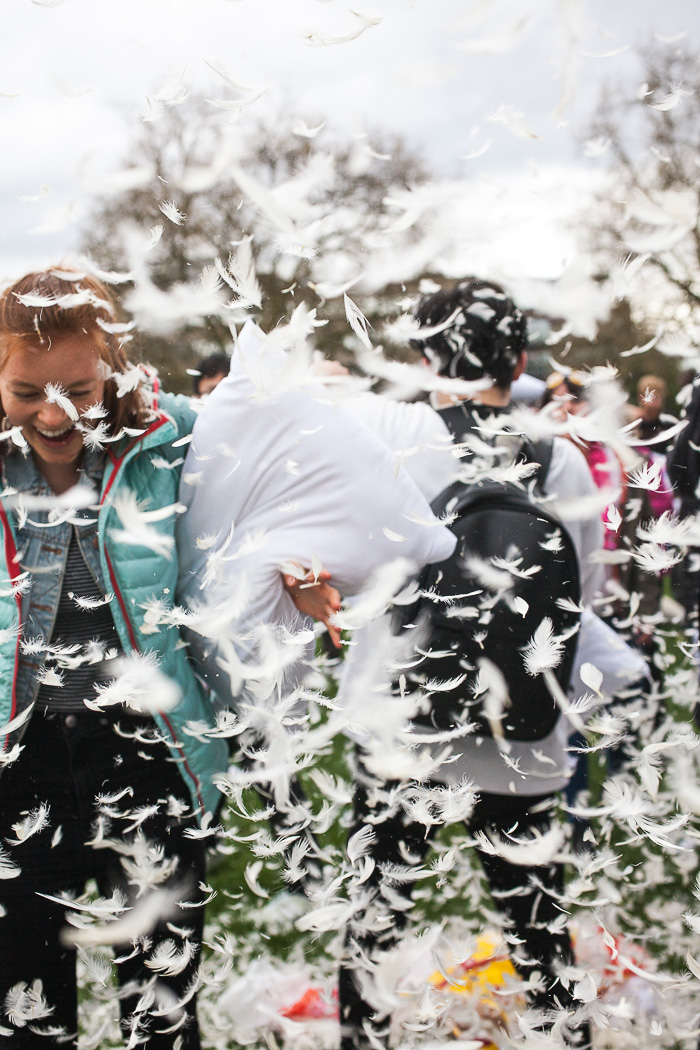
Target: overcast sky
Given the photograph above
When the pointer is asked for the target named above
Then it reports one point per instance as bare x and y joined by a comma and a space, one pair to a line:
76, 77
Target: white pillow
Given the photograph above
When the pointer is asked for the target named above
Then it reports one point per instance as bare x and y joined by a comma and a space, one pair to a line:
297, 478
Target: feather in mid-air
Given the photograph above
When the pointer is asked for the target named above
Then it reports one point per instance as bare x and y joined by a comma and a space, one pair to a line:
239, 275
363, 21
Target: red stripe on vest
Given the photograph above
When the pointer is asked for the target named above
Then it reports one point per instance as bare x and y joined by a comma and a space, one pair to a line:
122, 603
13, 569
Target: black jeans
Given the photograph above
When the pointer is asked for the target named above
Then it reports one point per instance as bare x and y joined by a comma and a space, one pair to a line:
67, 762
522, 894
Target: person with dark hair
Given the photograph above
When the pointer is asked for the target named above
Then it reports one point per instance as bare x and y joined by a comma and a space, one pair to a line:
209, 372
474, 331
479, 331
652, 394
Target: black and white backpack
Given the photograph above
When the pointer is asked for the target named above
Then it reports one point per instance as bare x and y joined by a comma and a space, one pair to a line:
513, 580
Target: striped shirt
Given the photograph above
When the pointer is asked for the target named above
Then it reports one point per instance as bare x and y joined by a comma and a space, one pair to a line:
86, 636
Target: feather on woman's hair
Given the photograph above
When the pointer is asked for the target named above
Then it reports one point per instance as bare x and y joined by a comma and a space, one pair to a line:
43, 307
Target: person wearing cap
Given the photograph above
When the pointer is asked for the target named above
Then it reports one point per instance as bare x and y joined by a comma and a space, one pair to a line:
209, 373
476, 332
563, 393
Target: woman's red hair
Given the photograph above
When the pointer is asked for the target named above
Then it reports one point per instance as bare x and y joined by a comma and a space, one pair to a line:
42, 307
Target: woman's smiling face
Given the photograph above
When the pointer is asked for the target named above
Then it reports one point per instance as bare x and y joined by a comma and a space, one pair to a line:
71, 366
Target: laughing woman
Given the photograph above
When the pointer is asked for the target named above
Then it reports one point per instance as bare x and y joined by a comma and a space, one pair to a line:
92, 788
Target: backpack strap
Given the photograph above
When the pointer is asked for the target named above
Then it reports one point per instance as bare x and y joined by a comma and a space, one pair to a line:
539, 452
459, 420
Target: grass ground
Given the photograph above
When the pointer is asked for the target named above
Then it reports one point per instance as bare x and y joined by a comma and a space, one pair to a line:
638, 879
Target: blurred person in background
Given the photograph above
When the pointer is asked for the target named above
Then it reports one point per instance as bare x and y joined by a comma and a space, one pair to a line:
652, 394
208, 373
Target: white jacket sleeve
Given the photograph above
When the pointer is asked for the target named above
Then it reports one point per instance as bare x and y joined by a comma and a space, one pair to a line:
569, 479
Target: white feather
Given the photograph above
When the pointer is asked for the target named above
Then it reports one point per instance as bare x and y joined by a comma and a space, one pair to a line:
591, 677
56, 395
365, 21
140, 685
131, 923
137, 522
239, 275
513, 119
357, 321
25, 1003
34, 822
671, 99
171, 211
167, 960
360, 844
544, 650
542, 848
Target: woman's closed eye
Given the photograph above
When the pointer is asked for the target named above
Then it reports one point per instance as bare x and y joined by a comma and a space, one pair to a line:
39, 395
